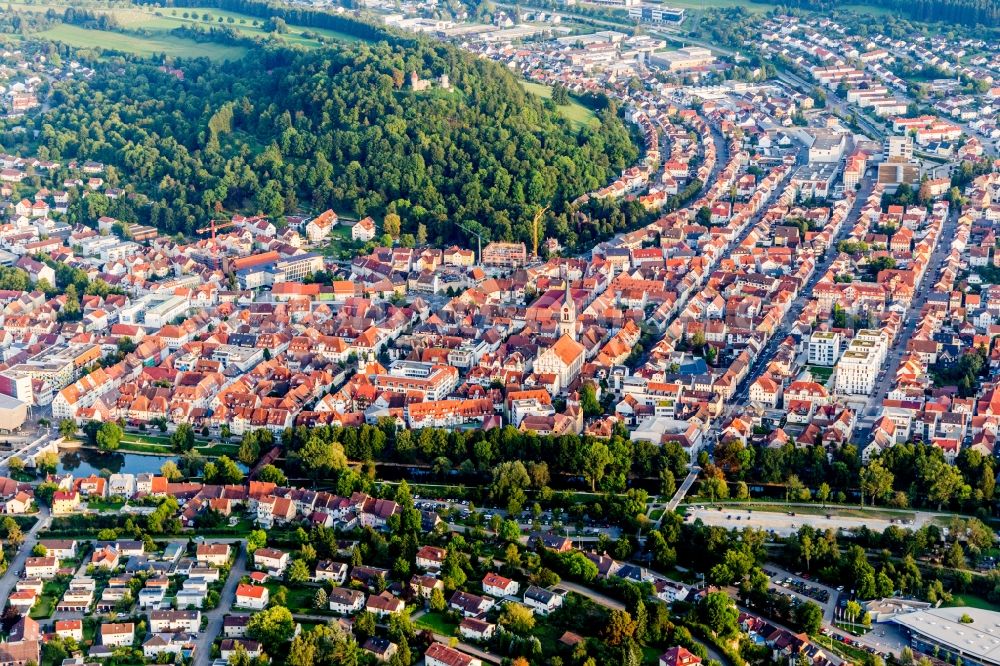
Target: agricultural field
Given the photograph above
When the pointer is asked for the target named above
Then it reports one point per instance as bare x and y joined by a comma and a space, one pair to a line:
153, 26
691, 5
175, 17
575, 112
867, 9
142, 46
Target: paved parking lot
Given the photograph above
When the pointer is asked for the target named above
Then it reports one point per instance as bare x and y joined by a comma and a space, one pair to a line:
804, 589
782, 524
884, 639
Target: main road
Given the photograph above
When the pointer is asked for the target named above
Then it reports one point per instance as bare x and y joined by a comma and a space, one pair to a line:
742, 395
30, 450
895, 353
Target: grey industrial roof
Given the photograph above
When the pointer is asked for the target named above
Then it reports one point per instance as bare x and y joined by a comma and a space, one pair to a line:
980, 639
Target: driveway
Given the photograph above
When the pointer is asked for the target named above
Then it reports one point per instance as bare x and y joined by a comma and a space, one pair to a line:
596, 597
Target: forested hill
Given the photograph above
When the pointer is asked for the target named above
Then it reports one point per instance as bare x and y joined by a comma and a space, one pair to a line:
966, 12
338, 126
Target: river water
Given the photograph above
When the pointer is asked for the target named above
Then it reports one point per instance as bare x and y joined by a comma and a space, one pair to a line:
84, 462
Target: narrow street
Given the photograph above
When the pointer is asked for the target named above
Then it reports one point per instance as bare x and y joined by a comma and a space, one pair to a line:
215, 616
16, 566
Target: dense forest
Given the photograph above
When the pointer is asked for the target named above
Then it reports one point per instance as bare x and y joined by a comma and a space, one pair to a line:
964, 12
285, 130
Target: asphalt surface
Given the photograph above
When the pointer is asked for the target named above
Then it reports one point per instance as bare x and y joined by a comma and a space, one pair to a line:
777, 574
742, 396
16, 566
783, 524
895, 354
215, 616
682, 491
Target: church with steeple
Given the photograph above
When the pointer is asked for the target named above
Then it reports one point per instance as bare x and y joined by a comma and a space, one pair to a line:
567, 315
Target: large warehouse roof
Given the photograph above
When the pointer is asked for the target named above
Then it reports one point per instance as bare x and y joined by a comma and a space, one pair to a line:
980, 639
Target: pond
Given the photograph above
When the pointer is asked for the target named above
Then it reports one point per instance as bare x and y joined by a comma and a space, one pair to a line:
84, 462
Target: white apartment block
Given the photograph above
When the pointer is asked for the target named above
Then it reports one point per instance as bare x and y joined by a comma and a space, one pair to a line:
879, 339
824, 348
857, 370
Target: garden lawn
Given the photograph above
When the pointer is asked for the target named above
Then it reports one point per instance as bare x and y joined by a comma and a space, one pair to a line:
651, 655
974, 601
437, 623
42, 610
105, 504
241, 529
300, 597
162, 446
338, 240
52, 591
547, 635
822, 374
216, 450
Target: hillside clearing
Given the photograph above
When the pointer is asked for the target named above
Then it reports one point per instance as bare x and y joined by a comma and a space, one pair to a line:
575, 112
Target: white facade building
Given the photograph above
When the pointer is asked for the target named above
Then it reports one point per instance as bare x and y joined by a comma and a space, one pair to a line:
824, 348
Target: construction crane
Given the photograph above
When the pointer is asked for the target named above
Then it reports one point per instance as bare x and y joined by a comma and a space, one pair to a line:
480, 255
534, 230
213, 226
